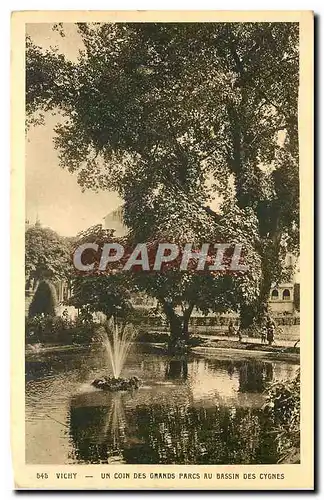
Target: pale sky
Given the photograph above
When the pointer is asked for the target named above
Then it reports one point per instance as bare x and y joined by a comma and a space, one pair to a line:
53, 193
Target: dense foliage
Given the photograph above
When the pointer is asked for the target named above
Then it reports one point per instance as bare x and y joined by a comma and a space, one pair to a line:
59, 330
47, 255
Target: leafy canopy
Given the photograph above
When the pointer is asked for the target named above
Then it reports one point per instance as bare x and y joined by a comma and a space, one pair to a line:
171, 114
47, 255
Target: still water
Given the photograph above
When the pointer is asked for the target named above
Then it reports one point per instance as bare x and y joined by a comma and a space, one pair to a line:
205, 410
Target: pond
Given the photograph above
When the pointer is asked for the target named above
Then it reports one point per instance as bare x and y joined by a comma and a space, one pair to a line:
203, 410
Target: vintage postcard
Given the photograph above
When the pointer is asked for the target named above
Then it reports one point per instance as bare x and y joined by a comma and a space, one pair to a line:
162, 250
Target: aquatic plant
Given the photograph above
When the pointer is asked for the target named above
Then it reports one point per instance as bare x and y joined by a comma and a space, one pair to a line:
283, 407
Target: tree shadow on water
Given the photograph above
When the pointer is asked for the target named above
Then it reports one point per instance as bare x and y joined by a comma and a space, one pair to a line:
177, 369
254, 376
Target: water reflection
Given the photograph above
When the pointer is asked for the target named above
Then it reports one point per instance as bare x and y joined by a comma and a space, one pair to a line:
177, 369
98, 433
190, 435
196, 410
177, 434
254, 376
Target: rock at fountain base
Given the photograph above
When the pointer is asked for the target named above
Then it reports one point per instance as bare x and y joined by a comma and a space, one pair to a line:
116, 384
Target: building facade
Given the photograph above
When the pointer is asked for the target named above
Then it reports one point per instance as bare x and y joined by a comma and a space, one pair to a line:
282, 300
114, 220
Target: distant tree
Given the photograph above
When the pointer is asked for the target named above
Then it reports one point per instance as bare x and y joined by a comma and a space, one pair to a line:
47, 255
100, 292
106, 294
44, 300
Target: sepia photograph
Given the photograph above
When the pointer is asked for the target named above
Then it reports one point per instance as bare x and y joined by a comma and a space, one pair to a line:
162, 248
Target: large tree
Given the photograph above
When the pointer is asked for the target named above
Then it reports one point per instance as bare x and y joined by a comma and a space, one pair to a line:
203, 108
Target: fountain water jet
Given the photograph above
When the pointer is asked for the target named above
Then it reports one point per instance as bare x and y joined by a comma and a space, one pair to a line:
117, 344
118, 347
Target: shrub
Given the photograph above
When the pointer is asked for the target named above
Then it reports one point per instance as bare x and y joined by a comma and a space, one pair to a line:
253, 330
58, 330
161, 337
44, 300
154, 337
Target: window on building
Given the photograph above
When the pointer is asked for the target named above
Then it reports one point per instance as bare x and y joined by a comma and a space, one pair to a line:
274, 294
286, 294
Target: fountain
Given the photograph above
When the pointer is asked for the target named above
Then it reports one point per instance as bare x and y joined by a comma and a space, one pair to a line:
117, 344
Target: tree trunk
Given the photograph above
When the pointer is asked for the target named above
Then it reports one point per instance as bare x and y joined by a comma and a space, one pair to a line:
256, 312
247, 315
177, 369
179, 326
174, 320
186, 319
